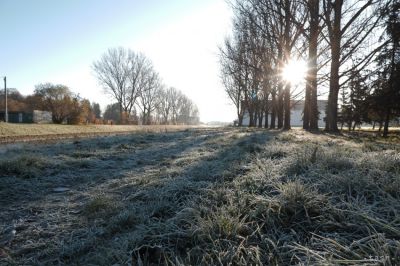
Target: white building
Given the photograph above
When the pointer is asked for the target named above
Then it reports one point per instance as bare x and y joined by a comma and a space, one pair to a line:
296, 115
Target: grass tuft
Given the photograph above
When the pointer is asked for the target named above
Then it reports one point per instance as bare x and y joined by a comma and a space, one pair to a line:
23, 166
100, 205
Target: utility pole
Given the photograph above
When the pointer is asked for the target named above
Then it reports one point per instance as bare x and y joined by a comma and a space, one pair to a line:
5, 94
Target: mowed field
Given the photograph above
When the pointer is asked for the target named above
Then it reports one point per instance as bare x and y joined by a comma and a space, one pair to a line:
208, 196
42, 132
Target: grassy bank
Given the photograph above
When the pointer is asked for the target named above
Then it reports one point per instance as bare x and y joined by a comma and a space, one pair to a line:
204, 196
13, 130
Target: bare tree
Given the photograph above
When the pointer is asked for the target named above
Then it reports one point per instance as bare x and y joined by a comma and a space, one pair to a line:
269, 31
167, 104
112, 73
149, 94
231, 75
310, 114
139, 68
348, 27
175, 99
173, 107
268, 34
123, 73
188, 112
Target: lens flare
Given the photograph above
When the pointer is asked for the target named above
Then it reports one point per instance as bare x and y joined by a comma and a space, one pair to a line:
294, 72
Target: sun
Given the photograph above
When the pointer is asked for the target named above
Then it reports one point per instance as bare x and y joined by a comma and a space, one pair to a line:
294, 72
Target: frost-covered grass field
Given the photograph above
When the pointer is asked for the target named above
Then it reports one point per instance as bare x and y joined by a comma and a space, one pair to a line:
202, 196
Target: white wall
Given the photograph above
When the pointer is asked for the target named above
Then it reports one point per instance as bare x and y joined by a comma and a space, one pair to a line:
296, 118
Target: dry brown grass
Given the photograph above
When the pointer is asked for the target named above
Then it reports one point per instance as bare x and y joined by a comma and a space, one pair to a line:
20, 130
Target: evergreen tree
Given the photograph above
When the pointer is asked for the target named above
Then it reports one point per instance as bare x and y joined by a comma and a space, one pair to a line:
388, 61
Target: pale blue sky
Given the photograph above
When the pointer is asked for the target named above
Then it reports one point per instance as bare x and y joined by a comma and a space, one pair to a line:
57, 41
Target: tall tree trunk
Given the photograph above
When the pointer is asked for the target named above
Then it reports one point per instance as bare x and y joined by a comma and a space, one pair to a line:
307, 99
287, 107
240, 120
273, 110
287, 52
257, 114
260, 118
306, 110
313, 64
335, 38
387, 120
121, 114
251, 117
279, 106
240, 117
331, 119
239, 112
266, 113
144, 116
389, 100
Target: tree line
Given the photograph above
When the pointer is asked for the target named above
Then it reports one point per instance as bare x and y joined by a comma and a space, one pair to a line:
131, 80
65, 106
138, 91
351, 48
171, 108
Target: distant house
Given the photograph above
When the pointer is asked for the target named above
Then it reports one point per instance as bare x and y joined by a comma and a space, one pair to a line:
36, 116
296, 115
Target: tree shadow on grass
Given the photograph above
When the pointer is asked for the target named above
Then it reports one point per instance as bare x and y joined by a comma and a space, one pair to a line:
163, 206
30, 174
141, 179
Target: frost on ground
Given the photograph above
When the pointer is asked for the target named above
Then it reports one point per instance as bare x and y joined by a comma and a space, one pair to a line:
205, 196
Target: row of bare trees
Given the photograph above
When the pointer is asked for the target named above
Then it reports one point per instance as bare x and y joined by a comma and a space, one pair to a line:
174, 107
131, 80
267, 36
171, 107
335, 38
